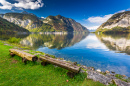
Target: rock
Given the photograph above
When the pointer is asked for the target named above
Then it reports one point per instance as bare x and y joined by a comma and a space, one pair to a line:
124, 75
118, 82
82, 71
74, 63
107, 71
113, 72
96, 76
83, 66
111, 76
98, 70
90, 68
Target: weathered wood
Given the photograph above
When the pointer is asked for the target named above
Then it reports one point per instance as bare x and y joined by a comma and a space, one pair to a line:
24, 54
66, 65
12, 54
71, 74
43, 63
24, 60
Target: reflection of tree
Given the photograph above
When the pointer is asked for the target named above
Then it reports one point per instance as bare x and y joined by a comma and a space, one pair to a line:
7, 36
116, 42
51, 41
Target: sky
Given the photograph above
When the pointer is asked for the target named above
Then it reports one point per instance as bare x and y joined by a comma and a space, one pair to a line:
90, 13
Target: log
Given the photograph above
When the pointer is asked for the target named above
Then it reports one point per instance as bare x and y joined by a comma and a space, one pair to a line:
24, 55
66, 65
12, 54
71, 74
44, 63
24, 60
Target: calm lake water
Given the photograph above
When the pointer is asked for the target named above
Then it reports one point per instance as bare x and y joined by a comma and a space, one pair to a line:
104, 52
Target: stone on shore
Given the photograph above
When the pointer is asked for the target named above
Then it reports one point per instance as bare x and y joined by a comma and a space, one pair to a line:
98, 70
121, 83
107, 71
96, 76
110, 76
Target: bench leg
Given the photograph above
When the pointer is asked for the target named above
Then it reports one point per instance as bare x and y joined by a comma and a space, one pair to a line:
12, 54
34, 58
44, 63
71, 74
24, 60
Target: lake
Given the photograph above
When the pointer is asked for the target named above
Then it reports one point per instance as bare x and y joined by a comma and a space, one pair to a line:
101, 51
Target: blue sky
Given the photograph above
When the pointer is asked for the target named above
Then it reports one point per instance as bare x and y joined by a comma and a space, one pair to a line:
90, 13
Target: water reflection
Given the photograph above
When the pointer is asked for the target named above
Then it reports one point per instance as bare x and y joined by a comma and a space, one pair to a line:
94, 43
52, 41
7, 36
117, 42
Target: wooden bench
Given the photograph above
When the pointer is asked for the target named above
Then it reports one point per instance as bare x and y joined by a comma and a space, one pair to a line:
25, 56
73, 69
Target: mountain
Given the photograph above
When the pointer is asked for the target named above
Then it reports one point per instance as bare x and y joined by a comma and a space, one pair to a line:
8, 27
51, 23
60, 23
24, 20
119, 22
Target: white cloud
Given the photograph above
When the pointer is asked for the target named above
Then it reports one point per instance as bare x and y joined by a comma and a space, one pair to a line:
92, 27
121, 11
128, 9
95, 43
42, 17
21, 4
99, 19
5, 5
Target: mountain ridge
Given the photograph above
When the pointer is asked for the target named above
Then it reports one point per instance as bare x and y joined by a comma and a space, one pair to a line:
118, 22
34, 24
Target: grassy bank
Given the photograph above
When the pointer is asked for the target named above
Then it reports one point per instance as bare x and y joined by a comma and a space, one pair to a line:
14, 72
114, 30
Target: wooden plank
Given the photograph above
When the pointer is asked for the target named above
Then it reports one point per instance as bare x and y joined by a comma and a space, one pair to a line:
23, 54
66, 65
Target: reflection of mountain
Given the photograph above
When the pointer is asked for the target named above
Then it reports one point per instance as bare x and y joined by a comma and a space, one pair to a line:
117, 42
51, 41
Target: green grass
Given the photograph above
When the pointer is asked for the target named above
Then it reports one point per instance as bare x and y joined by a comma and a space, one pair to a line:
14, 72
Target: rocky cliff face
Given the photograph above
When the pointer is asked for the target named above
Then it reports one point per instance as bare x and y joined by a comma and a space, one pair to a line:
27, 21
8, 27
61, 23
119, 19
1, 15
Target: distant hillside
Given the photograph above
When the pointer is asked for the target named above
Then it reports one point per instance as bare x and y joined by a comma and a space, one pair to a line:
7, 27
119, 22
61, 23
51, 23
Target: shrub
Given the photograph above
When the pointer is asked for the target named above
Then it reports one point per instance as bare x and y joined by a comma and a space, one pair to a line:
14, 40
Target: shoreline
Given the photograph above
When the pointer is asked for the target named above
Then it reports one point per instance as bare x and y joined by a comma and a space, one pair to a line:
84, 69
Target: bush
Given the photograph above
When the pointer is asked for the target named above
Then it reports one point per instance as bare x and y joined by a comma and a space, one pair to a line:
14, 40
